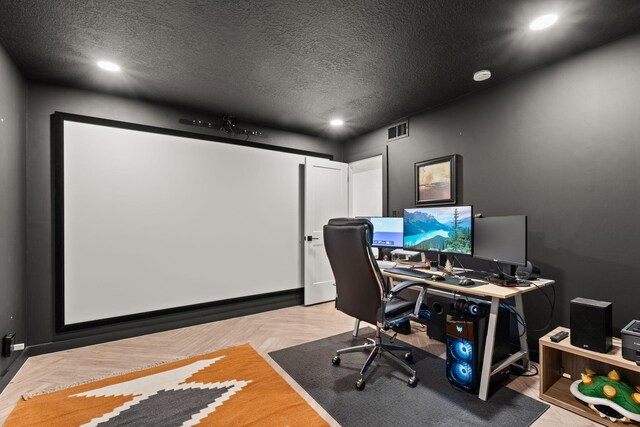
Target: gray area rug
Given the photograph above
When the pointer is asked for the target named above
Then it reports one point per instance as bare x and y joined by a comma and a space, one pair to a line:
387, 400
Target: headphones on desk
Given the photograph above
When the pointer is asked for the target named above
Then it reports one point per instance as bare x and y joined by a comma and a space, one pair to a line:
465, 307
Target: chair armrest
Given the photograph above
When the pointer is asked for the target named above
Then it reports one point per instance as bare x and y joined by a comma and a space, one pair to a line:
418, 311
407, 283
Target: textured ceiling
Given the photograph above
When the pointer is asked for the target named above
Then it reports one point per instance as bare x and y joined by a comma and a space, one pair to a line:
296, 64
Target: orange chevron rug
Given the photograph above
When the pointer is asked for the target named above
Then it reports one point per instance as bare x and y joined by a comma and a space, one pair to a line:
230, 387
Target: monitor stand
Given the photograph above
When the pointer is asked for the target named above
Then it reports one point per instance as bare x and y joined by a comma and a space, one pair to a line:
442, 259
506, 279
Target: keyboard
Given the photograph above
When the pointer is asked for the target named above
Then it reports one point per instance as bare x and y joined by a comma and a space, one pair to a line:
409, 272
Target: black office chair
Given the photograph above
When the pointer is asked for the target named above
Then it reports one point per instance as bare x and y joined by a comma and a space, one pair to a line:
362, 291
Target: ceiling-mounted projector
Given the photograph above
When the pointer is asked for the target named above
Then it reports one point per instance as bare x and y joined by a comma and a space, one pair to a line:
228, 125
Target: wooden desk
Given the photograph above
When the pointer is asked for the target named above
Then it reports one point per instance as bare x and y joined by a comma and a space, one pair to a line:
497, 294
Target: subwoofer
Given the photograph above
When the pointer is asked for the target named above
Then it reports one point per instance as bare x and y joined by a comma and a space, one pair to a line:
439, 306
591, 324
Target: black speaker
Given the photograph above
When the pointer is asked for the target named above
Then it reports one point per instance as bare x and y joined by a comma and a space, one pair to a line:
591, 324
440, 306
466, 336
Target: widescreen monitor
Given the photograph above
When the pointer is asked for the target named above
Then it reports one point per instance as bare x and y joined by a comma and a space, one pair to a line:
446, 229
387, 232
501, 239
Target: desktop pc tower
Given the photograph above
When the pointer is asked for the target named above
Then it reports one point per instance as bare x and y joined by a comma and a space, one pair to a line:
466, 335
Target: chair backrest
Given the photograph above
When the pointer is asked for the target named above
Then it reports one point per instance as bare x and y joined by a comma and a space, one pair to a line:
359, 282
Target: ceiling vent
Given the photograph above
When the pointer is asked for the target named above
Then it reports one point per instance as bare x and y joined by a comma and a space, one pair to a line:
397, 131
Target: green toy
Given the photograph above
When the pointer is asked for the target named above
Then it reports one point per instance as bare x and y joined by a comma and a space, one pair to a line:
608, 396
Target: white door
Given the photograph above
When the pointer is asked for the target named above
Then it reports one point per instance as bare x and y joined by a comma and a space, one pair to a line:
365, 187
326, 196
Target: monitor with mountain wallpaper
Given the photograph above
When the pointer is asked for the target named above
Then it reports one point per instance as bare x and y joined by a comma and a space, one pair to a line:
439, 229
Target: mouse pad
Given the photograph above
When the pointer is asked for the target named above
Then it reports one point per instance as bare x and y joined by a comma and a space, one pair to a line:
454, 281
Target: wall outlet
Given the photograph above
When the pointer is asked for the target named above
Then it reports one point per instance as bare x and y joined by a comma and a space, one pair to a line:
7, 344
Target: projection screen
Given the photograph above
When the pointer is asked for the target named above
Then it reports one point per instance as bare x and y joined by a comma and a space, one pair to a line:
154, 221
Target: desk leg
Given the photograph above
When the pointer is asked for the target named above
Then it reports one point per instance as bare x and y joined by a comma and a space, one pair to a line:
522, 331
487, 361
356, 328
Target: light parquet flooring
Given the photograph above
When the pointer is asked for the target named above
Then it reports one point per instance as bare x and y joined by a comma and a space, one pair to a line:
266, 332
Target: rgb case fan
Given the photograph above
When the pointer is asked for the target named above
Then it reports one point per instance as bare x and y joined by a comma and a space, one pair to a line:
460, 373
461, 350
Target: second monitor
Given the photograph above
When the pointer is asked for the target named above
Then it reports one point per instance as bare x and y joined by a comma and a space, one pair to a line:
439, 229
387, 232
501, 239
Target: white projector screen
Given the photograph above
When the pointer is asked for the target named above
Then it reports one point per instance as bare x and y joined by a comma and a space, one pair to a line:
153, 221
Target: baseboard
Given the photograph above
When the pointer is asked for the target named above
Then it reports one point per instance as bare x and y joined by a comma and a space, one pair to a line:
231, 309
13, 369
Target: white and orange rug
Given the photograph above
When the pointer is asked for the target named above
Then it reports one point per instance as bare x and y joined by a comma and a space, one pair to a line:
230, 387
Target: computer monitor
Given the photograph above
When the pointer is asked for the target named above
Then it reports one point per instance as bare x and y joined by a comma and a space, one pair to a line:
387, 232
501, 239
447, 229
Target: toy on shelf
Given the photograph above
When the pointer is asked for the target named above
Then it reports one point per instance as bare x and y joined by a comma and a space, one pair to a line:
608, 396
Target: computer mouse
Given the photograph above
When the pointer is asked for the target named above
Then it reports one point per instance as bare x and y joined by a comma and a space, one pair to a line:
437, 277
466, 282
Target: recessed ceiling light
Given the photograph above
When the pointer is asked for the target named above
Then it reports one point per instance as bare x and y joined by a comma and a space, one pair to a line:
109, 66
544, 21
336, 122
481, 75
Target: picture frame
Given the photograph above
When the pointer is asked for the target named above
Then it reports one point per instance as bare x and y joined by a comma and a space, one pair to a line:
436, 181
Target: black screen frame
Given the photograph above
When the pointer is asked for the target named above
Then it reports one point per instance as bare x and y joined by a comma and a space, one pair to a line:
57, 146
526, 242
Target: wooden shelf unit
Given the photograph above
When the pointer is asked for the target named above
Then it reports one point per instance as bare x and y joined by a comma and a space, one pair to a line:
557, 360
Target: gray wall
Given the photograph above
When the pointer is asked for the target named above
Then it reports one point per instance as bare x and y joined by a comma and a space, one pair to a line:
561, 145
12, 204
43, 100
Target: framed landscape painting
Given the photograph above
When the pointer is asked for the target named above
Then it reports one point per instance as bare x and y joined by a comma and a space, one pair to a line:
436, 181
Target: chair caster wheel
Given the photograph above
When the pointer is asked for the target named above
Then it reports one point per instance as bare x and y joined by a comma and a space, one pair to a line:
336, 360
360, 384
413, 381
408, 357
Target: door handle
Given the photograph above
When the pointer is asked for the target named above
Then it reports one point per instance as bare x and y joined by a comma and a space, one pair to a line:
310, 238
